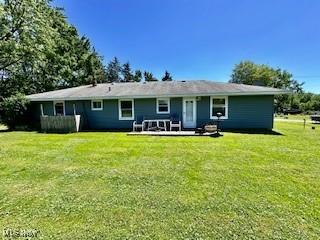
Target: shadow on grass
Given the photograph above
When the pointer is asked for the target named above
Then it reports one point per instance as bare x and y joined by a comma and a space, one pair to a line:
244, 131
5, 130
87, 131
254, 131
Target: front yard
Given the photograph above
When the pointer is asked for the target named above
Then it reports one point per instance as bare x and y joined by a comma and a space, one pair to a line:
109, 185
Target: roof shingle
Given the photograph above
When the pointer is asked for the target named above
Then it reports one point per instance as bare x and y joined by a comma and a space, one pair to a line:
154, 89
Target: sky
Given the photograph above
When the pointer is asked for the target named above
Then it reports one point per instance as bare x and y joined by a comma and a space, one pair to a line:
203, 39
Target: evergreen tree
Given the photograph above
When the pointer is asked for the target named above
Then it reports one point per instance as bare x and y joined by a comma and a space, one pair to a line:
113, 71
148, 77
137, 76
167, 76
127, 73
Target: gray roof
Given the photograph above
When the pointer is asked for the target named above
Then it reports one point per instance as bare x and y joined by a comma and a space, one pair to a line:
154, 89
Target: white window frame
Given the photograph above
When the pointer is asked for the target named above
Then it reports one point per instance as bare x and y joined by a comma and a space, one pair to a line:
120, 112
54, 107
165, 99
226, 105
97, 109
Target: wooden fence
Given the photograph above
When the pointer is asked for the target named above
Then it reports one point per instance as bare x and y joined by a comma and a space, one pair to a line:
60, 124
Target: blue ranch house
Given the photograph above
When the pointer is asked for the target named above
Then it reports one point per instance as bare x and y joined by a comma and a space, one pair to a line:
195, 103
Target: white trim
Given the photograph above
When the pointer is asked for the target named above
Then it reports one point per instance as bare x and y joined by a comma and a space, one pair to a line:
41, 109
194, 112
119, 109
97, 109
226, 105
164, 96
54, 107
163, 99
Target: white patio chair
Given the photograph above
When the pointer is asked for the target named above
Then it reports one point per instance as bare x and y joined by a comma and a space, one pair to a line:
138, 124
175, 122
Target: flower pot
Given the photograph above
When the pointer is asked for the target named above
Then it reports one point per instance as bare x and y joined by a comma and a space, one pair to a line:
210, 128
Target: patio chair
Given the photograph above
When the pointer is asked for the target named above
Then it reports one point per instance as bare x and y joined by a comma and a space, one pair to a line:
175, 122
138, 123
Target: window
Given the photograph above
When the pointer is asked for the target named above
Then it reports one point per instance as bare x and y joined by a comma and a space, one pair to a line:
163, 105
58, 108
96, 105
219, 105
126, 109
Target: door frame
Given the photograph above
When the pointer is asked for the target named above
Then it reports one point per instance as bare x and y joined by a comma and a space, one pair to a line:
194, 112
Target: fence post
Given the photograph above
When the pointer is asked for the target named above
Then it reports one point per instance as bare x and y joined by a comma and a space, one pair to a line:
74, 109
41, 109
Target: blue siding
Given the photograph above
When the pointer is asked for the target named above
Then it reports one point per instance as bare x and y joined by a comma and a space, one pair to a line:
148, 108
244, 112
35, 111
203, 111
108, 118
250, 112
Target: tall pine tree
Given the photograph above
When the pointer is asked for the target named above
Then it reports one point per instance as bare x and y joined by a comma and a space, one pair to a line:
148, 77
167, 76
113, 71
127, 73
137, 76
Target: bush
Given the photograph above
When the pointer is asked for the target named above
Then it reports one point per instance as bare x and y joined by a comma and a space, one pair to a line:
13, 110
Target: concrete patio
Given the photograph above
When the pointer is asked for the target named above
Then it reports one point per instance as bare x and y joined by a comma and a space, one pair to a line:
169, 133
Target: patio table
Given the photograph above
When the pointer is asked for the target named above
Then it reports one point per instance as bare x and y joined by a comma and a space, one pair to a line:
157, 122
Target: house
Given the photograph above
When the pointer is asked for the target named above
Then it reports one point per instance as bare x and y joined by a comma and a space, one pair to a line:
117, 105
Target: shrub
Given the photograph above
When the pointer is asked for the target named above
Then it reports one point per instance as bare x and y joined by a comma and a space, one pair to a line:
13, 110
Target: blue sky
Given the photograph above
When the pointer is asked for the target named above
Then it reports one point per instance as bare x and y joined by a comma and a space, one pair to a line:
203, 39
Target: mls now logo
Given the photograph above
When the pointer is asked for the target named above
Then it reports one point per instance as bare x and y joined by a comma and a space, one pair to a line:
20, 233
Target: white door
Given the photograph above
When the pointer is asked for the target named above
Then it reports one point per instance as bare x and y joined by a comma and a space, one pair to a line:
189, 113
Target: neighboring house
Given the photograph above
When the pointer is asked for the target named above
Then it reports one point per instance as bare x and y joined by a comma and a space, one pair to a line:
117, 105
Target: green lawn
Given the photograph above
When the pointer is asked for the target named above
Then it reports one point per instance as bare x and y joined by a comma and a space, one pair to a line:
294, 117
113, 186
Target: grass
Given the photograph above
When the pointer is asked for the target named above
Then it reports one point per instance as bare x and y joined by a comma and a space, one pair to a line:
294, 117
113, 186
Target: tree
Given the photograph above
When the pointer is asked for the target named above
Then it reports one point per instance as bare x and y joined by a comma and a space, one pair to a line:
167, 76
40, 51
127, 73
113, 71
25, 38
13, 110
148, 77
94, 69
21, 32
247, 72
74, 61
137, 76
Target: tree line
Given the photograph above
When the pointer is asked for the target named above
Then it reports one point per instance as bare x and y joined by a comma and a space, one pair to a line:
40, 51
117, 72
248, 72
